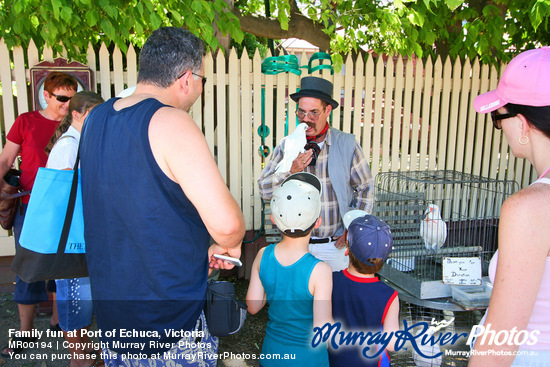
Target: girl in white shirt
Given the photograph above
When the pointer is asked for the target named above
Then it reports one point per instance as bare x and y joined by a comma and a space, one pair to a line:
74, 300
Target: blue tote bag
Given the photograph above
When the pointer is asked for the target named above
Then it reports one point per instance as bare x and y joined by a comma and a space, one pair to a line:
51, 245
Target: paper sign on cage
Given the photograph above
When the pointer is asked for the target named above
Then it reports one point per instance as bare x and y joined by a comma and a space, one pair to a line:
462, 270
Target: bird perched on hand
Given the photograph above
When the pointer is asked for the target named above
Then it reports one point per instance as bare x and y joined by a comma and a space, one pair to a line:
293, 145
433, 229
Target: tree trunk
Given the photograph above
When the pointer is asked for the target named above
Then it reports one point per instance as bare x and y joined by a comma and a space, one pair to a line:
224, 40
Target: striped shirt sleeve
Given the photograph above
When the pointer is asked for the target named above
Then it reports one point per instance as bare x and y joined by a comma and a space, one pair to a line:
361, 181
270, 180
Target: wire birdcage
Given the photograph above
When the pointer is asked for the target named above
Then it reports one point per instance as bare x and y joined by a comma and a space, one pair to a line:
460, 323
469, 205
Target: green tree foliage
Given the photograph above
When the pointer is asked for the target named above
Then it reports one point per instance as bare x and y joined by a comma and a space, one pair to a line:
487, 29
76, 23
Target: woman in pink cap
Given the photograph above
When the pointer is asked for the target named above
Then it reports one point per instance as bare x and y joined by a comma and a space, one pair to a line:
517, 322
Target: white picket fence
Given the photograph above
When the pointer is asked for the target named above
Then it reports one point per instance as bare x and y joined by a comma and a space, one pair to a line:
406, 115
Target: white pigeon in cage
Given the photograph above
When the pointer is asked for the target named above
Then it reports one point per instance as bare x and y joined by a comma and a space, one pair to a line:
430, 352
433, 229
293, 145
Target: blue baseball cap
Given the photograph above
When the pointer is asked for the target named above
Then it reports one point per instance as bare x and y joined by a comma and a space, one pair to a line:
368, 236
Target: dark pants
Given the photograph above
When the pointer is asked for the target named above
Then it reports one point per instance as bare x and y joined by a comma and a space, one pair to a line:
26, 293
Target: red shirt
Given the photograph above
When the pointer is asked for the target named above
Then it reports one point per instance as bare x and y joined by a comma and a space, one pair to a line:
32, 132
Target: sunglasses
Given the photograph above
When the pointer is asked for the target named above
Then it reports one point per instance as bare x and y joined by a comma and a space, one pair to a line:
203, 77
496, 117
61, 98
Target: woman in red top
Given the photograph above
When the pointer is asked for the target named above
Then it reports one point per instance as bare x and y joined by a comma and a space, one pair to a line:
28, 136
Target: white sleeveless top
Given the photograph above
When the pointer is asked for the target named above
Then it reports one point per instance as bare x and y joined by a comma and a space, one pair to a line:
540, 318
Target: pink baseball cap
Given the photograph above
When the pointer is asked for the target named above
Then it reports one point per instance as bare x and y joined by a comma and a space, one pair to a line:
525, 81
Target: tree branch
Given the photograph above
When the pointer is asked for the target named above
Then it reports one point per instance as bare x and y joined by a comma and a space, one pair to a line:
294, 7
299, 26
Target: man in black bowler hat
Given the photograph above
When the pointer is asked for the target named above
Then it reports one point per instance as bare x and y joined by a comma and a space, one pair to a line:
333, 156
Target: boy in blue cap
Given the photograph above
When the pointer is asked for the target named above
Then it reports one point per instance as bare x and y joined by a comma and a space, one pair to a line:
360, 301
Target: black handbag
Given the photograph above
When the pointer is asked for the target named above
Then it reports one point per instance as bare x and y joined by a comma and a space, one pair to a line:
10, 193
225, 315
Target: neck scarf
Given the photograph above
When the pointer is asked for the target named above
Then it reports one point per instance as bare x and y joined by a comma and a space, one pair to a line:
314, 138
316, 150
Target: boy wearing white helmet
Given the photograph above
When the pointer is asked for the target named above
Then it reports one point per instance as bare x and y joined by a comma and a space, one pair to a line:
296, 285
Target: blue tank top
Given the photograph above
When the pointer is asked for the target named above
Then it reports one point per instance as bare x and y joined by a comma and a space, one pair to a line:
360, 304
290, 327
146, 245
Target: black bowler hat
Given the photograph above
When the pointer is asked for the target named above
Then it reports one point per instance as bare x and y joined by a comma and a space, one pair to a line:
316, 88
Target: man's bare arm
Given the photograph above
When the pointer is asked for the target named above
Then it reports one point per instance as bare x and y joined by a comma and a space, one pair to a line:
182, 153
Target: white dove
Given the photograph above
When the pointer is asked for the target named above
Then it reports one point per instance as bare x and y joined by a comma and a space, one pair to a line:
428, 349
293, 145
433, 229
127, 92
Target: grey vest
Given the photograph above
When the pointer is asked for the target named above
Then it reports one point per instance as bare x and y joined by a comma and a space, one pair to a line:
339, 169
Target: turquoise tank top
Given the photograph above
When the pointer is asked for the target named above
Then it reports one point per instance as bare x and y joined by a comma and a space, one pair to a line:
290, 326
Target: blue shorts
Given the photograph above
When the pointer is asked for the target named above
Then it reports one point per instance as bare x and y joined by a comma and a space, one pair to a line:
186, 352
74, 303
26, 293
